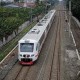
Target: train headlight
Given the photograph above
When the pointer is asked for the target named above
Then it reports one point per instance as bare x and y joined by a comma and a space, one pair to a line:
32, 55
20, 55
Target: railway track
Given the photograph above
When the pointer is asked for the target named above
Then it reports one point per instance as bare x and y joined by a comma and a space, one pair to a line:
48, 64
55, 72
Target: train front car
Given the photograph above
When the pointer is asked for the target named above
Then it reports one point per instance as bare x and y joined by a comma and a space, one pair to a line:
30, 45
27, 52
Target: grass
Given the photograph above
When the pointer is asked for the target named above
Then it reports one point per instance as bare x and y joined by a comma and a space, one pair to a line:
10, 45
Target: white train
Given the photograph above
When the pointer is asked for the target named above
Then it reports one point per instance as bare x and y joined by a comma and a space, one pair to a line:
30, 45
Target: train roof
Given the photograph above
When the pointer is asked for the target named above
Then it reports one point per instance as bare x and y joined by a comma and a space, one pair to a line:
36, 32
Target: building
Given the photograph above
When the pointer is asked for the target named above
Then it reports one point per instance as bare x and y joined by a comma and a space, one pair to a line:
29, 3
42, 0
6, 0
25, 3
21, 3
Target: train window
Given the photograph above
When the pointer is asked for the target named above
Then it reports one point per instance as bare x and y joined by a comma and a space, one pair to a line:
37, 47
26, 47
42, 38
48, 27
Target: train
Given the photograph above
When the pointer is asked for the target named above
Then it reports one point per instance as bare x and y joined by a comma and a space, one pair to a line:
29, 46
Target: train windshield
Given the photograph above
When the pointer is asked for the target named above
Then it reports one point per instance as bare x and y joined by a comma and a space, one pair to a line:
26, 47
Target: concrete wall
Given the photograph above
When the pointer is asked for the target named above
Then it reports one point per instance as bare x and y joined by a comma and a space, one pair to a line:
10, 37
76, 20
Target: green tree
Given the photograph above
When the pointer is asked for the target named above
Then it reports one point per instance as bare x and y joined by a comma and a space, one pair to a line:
37, 2
75, 7
12, 18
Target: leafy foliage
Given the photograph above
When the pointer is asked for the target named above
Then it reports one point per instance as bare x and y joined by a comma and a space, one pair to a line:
12, 18
75, 7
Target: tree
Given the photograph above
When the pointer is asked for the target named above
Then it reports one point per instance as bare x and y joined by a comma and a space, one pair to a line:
37, 2
12, 18
75, 7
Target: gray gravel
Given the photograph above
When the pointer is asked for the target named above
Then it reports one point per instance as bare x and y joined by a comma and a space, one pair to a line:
7, 67
71, 62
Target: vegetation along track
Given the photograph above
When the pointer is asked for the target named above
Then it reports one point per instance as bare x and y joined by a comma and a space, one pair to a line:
47, 66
